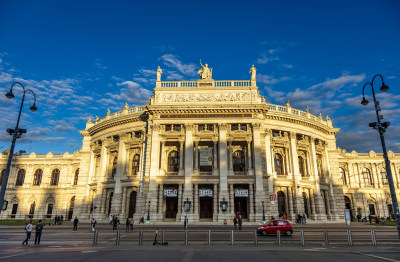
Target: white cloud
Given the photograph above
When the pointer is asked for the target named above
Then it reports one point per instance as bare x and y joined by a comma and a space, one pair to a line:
98, 64
172, 61
148, 72
270, 80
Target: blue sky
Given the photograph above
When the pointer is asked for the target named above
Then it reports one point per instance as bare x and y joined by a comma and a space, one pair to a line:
82, 57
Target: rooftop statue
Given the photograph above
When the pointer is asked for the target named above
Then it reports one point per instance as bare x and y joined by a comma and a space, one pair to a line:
159, 73
205, 72
253, 73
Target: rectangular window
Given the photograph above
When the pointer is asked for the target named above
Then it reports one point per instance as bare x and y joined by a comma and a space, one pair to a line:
14, 210
234, 127
243, 127
210, 127
201, 127
138, 134
168, 128
177, 128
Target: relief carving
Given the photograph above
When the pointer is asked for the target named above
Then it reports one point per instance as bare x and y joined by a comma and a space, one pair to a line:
205, 97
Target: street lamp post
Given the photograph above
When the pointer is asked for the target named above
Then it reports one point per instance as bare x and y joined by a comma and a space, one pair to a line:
381, 128
148, 211
263, 211
15, 133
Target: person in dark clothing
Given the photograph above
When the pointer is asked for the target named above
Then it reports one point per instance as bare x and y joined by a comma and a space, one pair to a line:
115, 223
76, 221
62, 219
370, 218
38, 233
127, 224
141, 220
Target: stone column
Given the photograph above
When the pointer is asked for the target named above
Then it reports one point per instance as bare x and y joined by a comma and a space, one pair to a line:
251, 200
154, 171
230, 158
215, 158
268, 157
296, 174
99, 213
178, 215
196, 203
320, 215
259, 184
163, 166
181, 171
327, 206
312, 204
123, 207
196, 157
249, 158
160, 215
103, 202
231, 200
215, 203
121, 162
334, 215
290, 197
188, 191
223, 170
377, 179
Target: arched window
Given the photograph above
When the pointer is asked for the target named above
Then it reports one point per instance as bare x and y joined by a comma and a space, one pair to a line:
1, 176
135, 164
384, 177
319, 166
76, 177
173, 162
55, 176
343, 175
301, 166
37, 177
20, 177
278, 162
238, 161
367, 177
114, 167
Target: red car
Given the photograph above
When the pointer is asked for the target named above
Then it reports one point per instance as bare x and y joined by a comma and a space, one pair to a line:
274, 225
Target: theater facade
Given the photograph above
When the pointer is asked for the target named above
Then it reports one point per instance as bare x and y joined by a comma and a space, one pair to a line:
205, 149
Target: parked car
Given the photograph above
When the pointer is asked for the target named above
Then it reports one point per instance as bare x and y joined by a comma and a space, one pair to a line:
274, 225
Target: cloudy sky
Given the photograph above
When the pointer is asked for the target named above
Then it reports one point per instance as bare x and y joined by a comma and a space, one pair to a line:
83, 57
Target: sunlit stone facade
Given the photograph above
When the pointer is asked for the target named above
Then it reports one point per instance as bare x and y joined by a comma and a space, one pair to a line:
206, 142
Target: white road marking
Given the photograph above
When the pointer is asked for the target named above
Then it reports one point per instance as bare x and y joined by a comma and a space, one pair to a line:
89, 251
15, 255
383, 258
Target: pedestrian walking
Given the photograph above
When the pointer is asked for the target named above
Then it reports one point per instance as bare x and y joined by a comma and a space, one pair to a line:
127, 224
240, 222
55, 220
28, 230
235, 222
141, 220
115, 223
376, 221
93, 224
304, 219
38, 233
76, 221
61, 220
131, 223
111, 219
370, 218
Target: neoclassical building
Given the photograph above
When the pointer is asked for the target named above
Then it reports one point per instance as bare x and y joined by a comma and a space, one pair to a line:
207, 149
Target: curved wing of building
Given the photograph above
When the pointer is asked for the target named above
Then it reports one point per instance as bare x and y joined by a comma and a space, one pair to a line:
209, 150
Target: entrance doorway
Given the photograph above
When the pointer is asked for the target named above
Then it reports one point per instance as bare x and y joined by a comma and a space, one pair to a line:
281, 202
305, 201
206, 207
132, 204
71, 208
171, 208
241, 206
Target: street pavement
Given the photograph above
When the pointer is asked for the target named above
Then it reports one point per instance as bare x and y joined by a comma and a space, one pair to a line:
59, 243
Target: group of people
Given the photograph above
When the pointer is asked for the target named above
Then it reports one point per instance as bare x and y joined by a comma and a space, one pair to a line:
58, 220
301, 219
283, 215
129, 224
38, 232
237, 221
114, 221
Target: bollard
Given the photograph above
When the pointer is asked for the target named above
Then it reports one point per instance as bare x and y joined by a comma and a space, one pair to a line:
209, 237
140, 237
302, 237
117, 238
326, 238
350, 239
373, 237
95, 236
163, 237
232, 238
255, 237
278, 237
186, 237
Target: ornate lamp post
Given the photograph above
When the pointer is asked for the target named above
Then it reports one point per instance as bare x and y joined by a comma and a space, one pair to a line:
381, 128
186, 206
224, 205
148, 211
263, 211
15, 133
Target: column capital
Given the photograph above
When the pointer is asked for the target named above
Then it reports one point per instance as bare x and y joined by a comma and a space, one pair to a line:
222, 126
189, 127
256, 126
293, 135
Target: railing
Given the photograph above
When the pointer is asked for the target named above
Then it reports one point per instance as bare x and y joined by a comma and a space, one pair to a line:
290, 110
132, 110
235, 83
